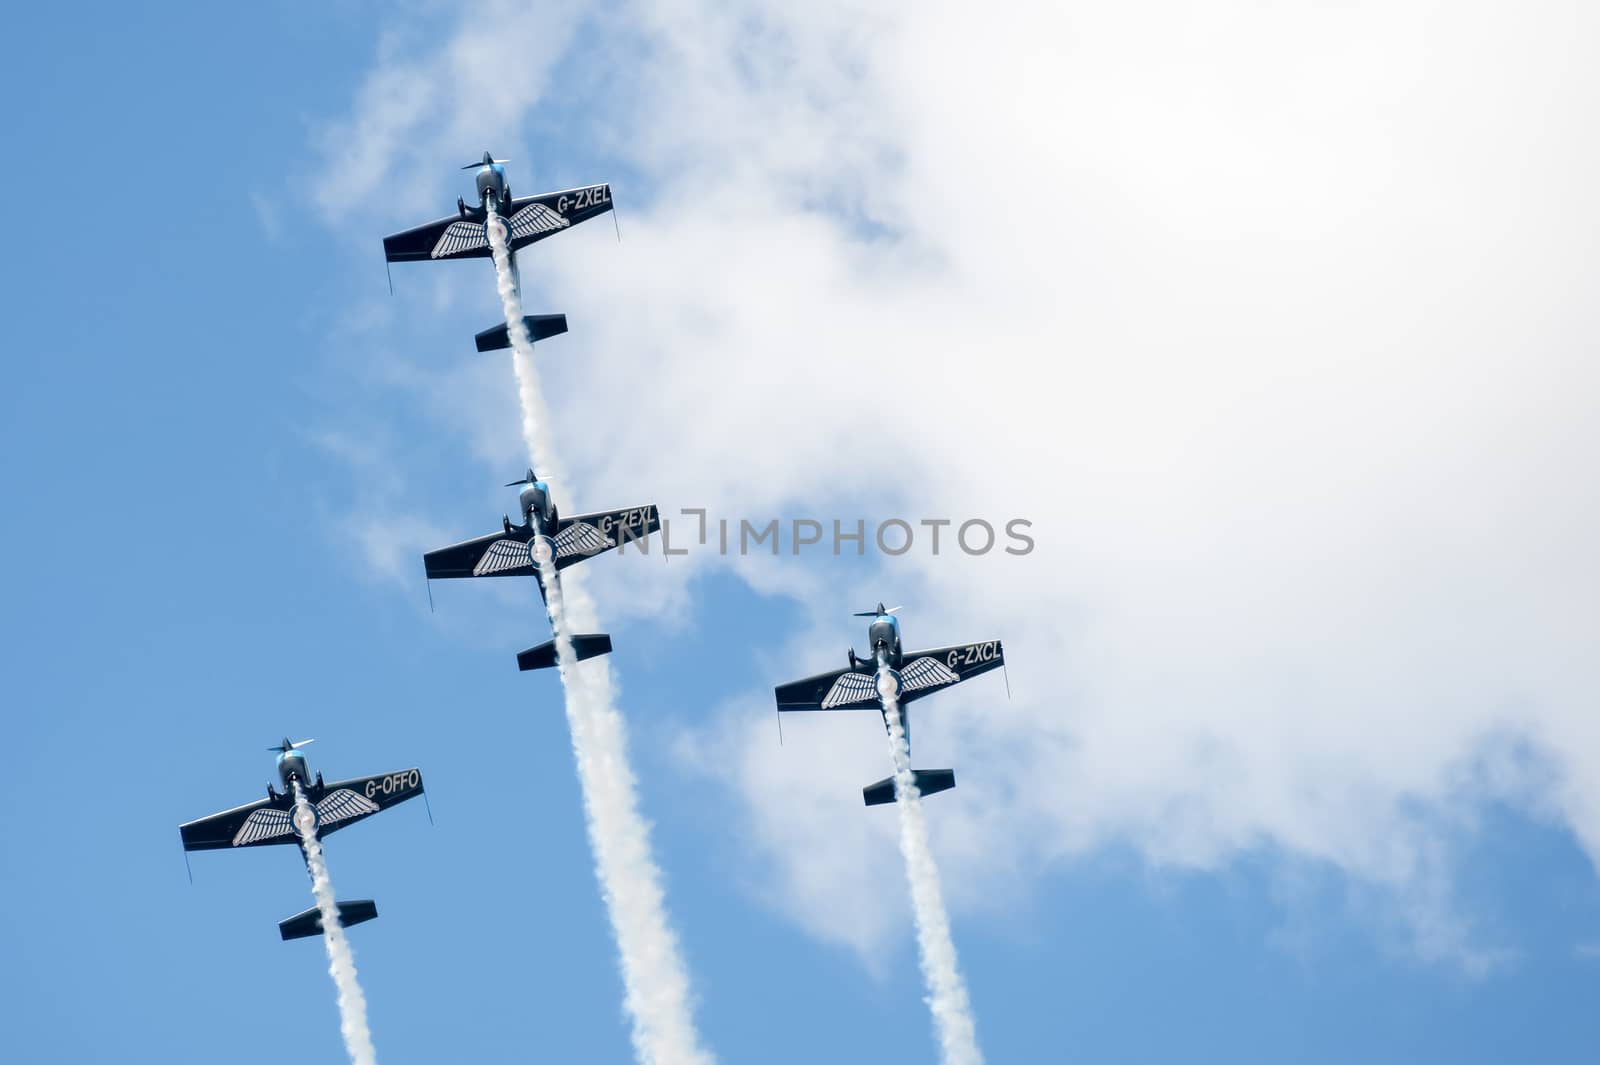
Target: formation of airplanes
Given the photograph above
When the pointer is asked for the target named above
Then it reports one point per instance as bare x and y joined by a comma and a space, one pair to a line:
543, 544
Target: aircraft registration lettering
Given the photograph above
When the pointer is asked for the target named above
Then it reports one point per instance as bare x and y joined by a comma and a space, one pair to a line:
973, 654
394, 782
584, 199
636, 516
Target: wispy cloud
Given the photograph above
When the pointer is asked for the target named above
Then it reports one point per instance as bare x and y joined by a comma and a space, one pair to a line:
448, 84
377, 524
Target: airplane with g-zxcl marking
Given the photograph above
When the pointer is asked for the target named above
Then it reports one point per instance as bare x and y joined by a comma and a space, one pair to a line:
545, 543
272, 820
890, 671
465, 235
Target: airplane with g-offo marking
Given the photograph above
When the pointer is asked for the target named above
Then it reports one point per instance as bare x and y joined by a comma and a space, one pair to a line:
889, 671
272, 820
545, 544
465, 235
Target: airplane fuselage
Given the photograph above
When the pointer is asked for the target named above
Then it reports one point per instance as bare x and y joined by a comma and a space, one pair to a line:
494, 195
883, 636
500, 204
883, 641
535, 501
292, 767
540, 517
493, 188
884, 633
494, 192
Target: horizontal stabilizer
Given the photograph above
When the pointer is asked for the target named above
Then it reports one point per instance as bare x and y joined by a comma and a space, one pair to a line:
540, 327
309, 922
929, 782
584, 645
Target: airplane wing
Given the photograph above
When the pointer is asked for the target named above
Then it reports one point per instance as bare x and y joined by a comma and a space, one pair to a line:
842, 689
925, 672
255, 824
501, 554
532, 218
587, 535
344, 802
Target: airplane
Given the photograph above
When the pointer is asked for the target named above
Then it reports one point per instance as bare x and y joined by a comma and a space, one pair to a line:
272, 820
892, 672
545, 540
464, 235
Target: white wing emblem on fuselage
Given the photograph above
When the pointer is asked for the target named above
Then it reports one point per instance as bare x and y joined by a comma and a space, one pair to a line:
459, 237
465, 235
535, 218
263, 824
926, 673
501, 556
342, 805
850, 688
581, 538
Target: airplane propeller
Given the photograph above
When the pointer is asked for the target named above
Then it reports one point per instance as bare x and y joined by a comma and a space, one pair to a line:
485, 161
875, 613
285, 747
529, 479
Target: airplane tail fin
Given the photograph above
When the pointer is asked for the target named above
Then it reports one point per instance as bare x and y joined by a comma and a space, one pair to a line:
584, 645
309, 922
929, 782
539, 326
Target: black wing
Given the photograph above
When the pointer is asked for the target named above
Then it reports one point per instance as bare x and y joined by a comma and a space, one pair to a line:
501, 554
587, 535
448, 238
254, 825
925, 672
344, 802
572, 206
532, 218
843, 689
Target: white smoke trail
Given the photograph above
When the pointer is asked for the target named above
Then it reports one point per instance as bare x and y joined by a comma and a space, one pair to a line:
655, 981
947, 992
534, 419
341, 962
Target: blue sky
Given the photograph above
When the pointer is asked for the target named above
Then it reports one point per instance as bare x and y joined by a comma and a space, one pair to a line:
228, 444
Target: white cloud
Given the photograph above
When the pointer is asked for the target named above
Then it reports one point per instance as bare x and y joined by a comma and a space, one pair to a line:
438, 86
375, 524
1277, 324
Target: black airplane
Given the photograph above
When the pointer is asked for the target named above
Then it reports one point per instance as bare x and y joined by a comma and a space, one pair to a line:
545, 539
271, 820
890, 672
464, 235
